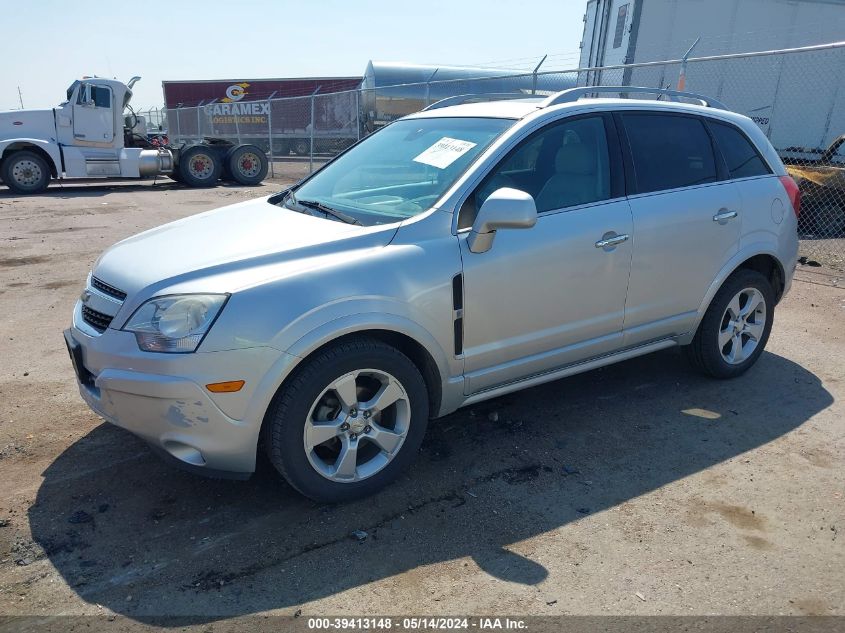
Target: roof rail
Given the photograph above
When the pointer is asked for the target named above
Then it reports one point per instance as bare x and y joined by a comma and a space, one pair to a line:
477, 98
574, 94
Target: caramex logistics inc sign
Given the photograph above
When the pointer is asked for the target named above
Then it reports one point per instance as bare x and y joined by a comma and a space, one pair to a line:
232, 110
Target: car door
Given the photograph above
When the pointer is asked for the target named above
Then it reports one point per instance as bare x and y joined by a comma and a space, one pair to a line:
93, 121
554, 294
687, 218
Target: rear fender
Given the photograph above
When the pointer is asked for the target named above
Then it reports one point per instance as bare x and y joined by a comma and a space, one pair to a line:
749, 251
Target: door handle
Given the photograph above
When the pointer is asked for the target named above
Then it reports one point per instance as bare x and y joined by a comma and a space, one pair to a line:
611, 241
724, 215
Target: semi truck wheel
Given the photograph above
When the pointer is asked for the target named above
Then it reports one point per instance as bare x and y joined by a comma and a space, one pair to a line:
199, 166
247, 165
282, 148
301, 147
26, 172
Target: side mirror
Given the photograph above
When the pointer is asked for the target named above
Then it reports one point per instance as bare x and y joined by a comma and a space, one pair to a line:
505, 208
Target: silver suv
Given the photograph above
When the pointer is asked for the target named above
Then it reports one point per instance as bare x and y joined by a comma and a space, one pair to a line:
458, 254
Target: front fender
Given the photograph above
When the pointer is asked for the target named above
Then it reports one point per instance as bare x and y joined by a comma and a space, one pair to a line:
333, 329
50, 148
364, 321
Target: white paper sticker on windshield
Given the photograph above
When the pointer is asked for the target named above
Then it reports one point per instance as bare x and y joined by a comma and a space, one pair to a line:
444, 152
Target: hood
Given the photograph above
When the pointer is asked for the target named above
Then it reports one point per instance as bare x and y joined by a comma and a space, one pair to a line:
27, 124
228, 244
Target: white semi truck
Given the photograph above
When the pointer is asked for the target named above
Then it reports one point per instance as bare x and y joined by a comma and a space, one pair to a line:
95, 133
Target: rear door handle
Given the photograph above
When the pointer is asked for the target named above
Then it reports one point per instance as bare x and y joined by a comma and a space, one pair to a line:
724, 215
605, 242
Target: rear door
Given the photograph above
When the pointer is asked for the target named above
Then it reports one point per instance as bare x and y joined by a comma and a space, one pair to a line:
686, 216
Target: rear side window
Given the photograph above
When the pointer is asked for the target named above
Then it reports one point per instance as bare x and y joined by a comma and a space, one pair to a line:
741, 157
669, 151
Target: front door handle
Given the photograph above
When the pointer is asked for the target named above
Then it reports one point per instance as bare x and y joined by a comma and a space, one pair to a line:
611, 240
724, 215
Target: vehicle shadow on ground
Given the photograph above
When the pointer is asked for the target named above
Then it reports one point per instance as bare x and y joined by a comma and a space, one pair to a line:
129, 533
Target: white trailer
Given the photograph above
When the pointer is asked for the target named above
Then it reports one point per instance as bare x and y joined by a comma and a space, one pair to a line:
88, 136
797, 99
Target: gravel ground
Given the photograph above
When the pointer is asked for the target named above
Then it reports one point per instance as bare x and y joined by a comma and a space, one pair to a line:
638, 489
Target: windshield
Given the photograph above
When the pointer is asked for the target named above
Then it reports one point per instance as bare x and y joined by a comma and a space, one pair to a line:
71, 89
399, 171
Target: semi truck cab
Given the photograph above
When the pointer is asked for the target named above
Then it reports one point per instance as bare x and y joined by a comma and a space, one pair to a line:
89, 136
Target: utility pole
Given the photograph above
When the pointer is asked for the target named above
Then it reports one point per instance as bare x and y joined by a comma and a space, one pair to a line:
20, 97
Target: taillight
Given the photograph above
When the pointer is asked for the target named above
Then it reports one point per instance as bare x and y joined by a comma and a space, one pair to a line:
793, 193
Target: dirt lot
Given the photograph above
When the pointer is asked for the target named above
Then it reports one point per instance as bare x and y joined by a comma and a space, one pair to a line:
642, 488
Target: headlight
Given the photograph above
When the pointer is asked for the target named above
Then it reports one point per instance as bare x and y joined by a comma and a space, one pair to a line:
176, 323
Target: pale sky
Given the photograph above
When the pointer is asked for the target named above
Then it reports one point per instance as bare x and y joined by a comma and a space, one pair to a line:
47, 44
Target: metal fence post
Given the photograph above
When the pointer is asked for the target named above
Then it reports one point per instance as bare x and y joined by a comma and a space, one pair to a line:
311, 148
199, 123
237, 124
358, 114
270, 133
428, 87
682, 75
534, 75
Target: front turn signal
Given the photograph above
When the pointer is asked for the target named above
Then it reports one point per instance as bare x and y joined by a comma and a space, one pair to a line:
230, 386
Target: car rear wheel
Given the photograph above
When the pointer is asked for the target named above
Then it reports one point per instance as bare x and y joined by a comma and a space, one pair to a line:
348, 421
26, 172
736, 326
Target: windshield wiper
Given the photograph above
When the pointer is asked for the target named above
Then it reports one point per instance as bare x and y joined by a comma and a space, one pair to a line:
322, 208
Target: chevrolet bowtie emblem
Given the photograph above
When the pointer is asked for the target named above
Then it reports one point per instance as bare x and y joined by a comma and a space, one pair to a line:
85, 296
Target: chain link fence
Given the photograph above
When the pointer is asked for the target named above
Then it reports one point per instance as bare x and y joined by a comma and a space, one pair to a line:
796, 96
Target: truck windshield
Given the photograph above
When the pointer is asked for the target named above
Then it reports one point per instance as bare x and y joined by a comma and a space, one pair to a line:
71, 89
398, 172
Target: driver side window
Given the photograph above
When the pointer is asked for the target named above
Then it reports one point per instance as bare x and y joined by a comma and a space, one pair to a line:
563, 165
100, 96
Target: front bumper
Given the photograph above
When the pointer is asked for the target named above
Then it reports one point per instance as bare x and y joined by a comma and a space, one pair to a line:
162, 398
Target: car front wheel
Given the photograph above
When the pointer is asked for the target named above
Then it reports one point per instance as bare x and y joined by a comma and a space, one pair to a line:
348, 421
736, 326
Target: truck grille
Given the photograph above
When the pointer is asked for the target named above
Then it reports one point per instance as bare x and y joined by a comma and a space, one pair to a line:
96, 320
105, 288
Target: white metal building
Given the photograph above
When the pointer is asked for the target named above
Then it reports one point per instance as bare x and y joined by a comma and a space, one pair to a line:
797, 99
629, 31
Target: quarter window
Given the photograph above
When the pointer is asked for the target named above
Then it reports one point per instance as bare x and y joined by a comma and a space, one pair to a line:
741, 157
669, 151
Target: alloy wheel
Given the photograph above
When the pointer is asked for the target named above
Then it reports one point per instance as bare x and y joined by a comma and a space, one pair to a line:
357, 425
742, 325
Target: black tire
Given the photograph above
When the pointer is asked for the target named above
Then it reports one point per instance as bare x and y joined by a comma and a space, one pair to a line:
704, 352
199, 166
26, 172
175, 175
247, 165
284, 424
301, 146
282, 148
